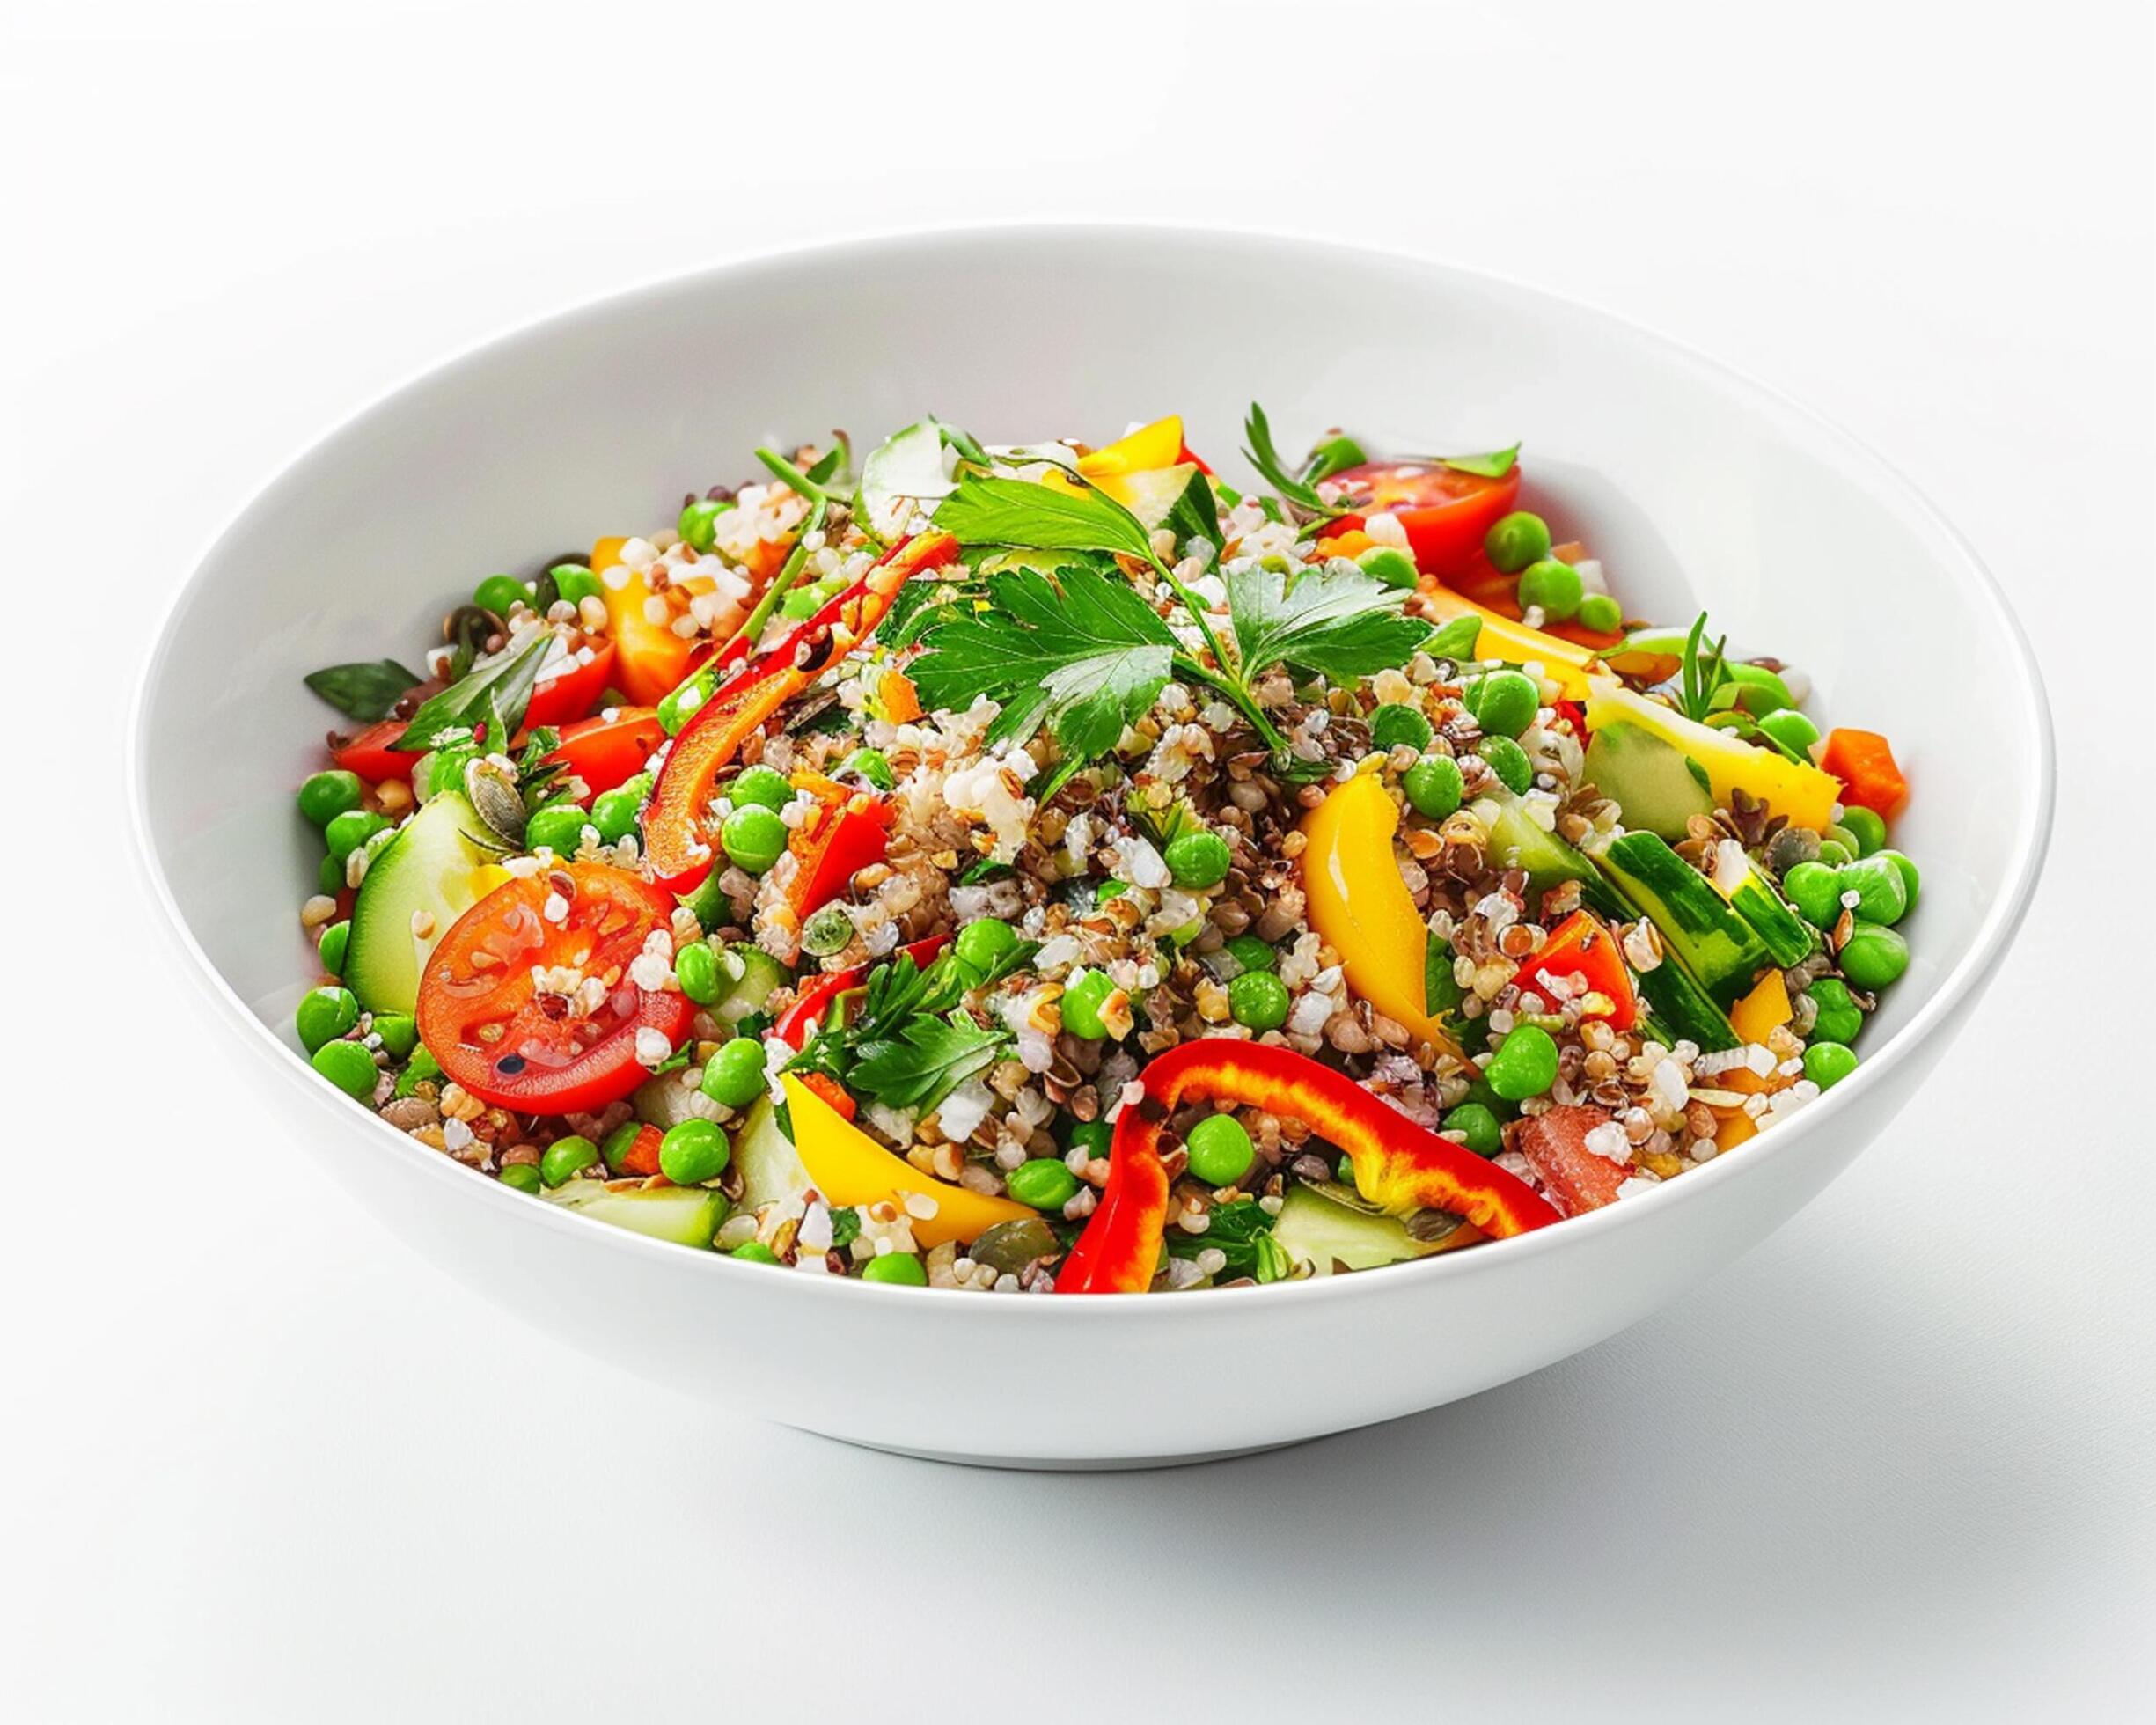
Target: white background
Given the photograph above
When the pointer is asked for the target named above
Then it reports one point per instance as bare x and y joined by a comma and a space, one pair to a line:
256, 1461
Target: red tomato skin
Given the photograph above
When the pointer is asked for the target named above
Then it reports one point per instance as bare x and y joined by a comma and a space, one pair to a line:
373, 755
1444, 513
572, 694
1574, 1178
606, 751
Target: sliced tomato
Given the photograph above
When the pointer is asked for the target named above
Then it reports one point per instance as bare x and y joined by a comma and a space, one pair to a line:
610, 748
1572, 1176
483, 1017
1445, 512
572, 693
373, 755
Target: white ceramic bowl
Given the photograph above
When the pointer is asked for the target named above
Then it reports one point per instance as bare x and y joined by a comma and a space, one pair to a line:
1691, 484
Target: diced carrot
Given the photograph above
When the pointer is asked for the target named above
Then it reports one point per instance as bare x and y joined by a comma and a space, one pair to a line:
1864, 762
642, 1156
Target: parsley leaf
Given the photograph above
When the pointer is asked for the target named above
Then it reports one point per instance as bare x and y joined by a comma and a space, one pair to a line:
845, 1227
493, 693
908, 1046
1242, 1232
363, 692
1085, 660
1334, 620
926, 1061
1040, 517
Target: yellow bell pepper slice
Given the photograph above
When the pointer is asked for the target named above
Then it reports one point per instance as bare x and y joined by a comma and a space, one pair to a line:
1159, 444
1360, 907
650, 658
1566, 663
849, 1167
1761, 1010
1799, 790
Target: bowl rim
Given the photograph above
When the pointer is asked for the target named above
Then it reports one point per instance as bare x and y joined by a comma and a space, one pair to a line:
1969, 969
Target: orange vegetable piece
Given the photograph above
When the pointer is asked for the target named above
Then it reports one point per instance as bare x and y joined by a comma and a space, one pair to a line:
1864, 762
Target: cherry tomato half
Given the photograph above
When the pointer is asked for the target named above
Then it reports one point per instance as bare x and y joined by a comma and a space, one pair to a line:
482, 1017
1445, 512
605, 751
574, 692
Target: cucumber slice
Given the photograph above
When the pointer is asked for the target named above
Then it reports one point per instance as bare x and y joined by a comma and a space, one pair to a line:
1788, 938
1697, 925
430, 866
687, 1216
770, 1168
1517, 842
907, 465
1653, 782
1314, 1230
757, 975
1679, 1009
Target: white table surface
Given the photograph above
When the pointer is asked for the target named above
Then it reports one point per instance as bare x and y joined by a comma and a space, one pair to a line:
258, 1463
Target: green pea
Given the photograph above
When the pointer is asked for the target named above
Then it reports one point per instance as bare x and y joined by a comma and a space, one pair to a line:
1837, 1018
1874, 957
902, 1267
1601, 613
1910, 878
1866, 827
1043, 1182
556, 826
330, 948
399, 1031
500, 593
1258, 1000
1815, 890
1508, 760
347, 832
324, 1015
1434, 785
326, 795
1759, 691
828, 930
1197, 860
618, 1144
1844, 837
521, 1176
753, 838
1791, 729
693, 1152
1552, 586
1220, 1150
1092, 1137
1253, 952
760, 787
1389, 564
699, 522
1516, 541
696, 968
1484, 1136
329, 874
1524, 1065
614, 812
734, 1077
872, 764
1345, 1172
1882, 895
1834, 853
576, 584
1395, 724
1084, 996
982, 943
1505, 702
566, 1158
754, 1251
348, 1066
1478, 1090
1827, 1063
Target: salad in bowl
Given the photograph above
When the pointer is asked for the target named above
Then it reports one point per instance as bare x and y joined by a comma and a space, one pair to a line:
1052, 868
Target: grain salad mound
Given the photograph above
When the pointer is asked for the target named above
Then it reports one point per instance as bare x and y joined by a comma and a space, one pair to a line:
1051, 869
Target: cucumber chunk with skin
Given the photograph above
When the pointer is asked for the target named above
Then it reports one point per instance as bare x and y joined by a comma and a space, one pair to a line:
1652, 782
757, 977
1314, 1229
1679, 1010
771, 1169
687, 1216
426, 877
1700, 929
1788, 938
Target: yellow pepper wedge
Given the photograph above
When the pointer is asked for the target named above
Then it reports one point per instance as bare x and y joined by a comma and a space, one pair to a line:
1564, 663
1799, 790
1360, 907
1159, 444
650, 658
849, 1167
1761, 1010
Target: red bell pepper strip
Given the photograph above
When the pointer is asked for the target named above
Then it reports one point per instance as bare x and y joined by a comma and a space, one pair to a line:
572, 693
1863, 760
1581, 947
813, 1002
843, 838
1398, 1164
675, 842
1186, 455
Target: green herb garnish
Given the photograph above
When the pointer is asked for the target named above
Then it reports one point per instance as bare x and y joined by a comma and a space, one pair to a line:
845, 1227
363, 692
1242, 1232
494, 693
1260, 453
1495, 464
1333, 619
1704, 671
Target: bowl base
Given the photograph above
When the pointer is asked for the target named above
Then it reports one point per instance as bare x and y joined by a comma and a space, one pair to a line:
1064, 1464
